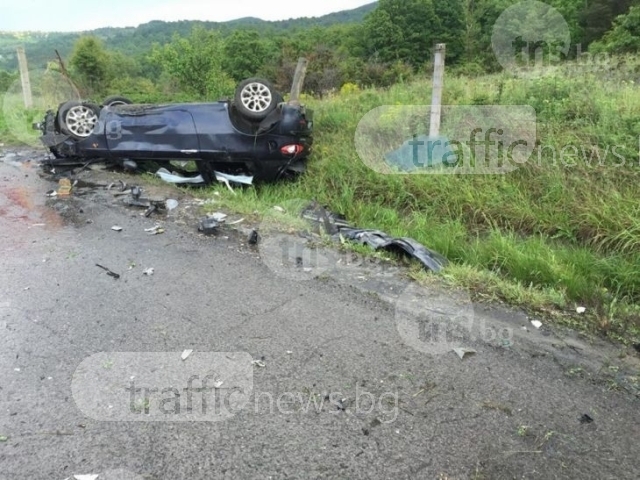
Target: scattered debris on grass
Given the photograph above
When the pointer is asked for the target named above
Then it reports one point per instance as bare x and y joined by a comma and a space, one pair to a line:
337, 226
174, 177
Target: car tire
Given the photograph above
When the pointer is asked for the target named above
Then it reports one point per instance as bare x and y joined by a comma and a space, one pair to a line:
256, 98
116, 100
78, 119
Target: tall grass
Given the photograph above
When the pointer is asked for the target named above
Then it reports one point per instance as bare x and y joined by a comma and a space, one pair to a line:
565, 233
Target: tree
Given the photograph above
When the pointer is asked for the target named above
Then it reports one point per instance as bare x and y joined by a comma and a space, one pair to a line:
407, 30
624, 37
245, 54
90, 64
598, 17
195, 63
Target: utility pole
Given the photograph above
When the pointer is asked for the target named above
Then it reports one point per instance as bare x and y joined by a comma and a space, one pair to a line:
24, 77
436, 99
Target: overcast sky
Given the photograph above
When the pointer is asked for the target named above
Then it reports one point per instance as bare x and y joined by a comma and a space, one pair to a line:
79, 15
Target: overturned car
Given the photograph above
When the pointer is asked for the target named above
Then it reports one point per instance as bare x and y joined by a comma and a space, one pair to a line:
256, 133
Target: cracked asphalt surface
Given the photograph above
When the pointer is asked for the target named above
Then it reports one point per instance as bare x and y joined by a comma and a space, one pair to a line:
509, 411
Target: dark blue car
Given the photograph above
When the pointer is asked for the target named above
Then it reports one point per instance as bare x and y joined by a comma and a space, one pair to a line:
256, 133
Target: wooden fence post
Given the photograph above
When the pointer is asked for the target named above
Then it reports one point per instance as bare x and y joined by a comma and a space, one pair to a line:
24, 78
436, 99
298, 81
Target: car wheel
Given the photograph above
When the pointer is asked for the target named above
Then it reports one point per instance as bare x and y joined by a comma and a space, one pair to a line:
256, 98
78, 119
116, 100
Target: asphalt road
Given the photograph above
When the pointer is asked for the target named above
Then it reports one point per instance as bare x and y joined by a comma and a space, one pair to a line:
381, 408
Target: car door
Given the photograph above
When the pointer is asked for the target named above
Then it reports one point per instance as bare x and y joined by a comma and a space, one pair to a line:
151, 132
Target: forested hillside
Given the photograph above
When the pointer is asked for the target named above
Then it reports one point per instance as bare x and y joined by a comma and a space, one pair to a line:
375, 45
40, 46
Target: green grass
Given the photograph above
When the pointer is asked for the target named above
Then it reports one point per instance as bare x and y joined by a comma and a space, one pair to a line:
547, 236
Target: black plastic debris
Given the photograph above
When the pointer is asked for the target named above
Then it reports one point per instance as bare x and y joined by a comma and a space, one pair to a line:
336, 225
253, 237
586, 419
135, 199
109, 272
209, 226
380, 240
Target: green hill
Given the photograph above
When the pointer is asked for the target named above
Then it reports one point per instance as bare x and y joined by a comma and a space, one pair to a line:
41, 46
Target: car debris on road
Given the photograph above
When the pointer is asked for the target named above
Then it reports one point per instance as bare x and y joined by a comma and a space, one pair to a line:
109, 272
337, 226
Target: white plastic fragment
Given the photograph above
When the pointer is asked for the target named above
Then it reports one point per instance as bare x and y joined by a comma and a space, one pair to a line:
116, 228
258, 363
171, 204
279, 209
149, 272
237, 222
536, 323
86, 477
581, 309
186, 354
169, 177
157, 230
218, 217
462, 352
226, 178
